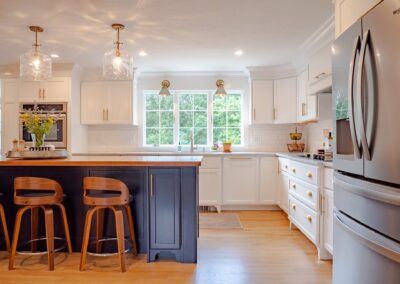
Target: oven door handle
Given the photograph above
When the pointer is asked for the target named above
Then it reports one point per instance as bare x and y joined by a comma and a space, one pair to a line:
369, 238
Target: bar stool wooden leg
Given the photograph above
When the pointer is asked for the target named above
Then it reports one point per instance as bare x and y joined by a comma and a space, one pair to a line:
131, 228
99, 229
66, 227
17, 227
119, 226
5, 229
34, 227
49, 221
86, 235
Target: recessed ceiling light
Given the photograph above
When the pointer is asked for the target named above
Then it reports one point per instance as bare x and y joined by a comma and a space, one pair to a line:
143, 53
238, 52
54, 55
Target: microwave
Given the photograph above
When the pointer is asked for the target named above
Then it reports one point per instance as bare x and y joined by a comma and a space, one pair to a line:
57, 135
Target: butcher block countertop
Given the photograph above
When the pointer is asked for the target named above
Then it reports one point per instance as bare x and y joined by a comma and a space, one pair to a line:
100, 161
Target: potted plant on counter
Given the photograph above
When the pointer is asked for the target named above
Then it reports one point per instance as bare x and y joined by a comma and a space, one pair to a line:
38, 125
227, 146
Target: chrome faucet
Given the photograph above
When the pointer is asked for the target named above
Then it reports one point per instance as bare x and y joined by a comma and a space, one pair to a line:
191, 137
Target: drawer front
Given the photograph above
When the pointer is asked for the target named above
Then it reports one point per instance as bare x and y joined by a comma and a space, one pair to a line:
304, 218
305, 192
328, 178
211, 163
284, 164
308, 173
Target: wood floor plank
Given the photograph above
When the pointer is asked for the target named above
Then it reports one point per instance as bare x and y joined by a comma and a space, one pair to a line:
265, 251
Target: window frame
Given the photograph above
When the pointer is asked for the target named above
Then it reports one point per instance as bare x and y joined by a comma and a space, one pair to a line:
175, 110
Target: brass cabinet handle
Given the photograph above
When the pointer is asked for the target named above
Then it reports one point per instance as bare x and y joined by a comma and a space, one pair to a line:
309, 218
294, 170
107, 114
286, 166
294, 206
104, 114
303, 109
309, 193
319, 75
274, 113
43, 94
294, 186
254, 114
40, 93
309, 175
151, 186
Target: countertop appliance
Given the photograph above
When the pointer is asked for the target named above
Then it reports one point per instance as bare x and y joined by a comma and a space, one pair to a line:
366, 84
58, 133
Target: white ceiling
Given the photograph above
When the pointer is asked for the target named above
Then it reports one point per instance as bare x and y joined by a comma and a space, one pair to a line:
178, 35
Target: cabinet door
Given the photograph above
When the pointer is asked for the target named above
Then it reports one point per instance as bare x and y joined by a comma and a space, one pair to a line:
285, 100
10, 90
347, 12
30, 91
165, 209
283, 191
119, 102
268, 180
320, 65
93, 102
262, 101
328, 220
240, 180
56, 89
210, 188
10, 126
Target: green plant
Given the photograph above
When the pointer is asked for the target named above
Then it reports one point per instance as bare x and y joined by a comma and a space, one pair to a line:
38, 124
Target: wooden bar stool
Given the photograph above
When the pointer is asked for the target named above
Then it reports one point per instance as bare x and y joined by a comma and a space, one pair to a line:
4, 225
106, 193
32, 194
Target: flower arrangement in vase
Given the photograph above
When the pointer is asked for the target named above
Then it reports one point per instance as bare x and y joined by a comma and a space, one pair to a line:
38, 124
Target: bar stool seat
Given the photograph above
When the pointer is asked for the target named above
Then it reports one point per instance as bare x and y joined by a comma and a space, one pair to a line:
106, 193
33, 194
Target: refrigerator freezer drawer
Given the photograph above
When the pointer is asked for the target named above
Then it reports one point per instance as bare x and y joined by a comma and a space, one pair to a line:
363, 256
375, 205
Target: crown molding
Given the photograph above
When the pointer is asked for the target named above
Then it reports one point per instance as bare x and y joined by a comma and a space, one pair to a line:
59, 69
193, 74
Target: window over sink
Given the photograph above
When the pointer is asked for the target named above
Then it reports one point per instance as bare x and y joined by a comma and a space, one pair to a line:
169, 121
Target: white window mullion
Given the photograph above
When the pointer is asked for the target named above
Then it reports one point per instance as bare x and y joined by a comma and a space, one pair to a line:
210, 119
176, 118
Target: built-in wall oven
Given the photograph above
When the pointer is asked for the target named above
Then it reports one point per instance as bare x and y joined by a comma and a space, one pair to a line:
58, 133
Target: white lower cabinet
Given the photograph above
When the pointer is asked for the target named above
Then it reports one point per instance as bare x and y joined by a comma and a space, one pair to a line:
268, 180
283, 185
240, 180
306, 219
328, 219
210, 183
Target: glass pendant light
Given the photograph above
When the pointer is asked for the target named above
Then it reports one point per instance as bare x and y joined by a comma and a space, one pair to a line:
35, 65
220, 88
164, 88
117, 64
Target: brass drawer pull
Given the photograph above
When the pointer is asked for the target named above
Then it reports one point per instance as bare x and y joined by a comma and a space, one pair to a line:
294, 186
294, 170
309, 218
294, 206
309, 193
309, 175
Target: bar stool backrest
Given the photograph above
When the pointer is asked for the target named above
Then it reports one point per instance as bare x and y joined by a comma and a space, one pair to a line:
36, 191
104, 191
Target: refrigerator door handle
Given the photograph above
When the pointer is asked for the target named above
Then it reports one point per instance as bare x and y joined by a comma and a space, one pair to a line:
369, 238
363, 134
356, 144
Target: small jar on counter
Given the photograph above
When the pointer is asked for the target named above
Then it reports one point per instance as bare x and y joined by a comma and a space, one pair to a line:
15, 145
21, 145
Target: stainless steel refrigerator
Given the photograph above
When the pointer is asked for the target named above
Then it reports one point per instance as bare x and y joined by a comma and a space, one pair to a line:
366, 94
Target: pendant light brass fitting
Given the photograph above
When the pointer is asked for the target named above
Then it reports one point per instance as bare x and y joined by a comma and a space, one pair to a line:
165, 83
220, 83
118, 27
220, 88
36, 29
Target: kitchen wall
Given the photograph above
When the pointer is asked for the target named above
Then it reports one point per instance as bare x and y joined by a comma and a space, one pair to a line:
129, 138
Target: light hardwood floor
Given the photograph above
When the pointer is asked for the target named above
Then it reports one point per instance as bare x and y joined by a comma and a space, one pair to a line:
266, 251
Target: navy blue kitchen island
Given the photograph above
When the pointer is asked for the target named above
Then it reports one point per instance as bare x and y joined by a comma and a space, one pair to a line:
164, 206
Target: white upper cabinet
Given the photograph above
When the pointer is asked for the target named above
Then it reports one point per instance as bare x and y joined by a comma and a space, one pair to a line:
320, 65
268, 180
306, 104
347, 12
262, 101
10, 90
10, 126
105, 102
285, 100
52, 90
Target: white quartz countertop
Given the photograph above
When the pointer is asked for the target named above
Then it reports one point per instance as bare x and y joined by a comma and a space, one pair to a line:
293, 156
